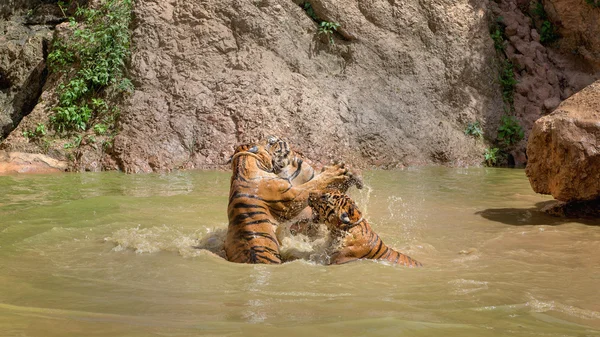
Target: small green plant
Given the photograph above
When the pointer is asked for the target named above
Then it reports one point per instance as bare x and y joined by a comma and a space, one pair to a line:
498, 38
100, 129
327, 28
474, 129
594, 3
40, 129
548, 32
46, 145
510, 131
38, 132
75, 143
539, 11
491, 156
309, 11
508, 83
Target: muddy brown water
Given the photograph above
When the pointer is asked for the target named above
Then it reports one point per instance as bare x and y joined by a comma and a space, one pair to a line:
112, 255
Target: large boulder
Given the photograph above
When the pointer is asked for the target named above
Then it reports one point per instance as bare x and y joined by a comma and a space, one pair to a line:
564, 149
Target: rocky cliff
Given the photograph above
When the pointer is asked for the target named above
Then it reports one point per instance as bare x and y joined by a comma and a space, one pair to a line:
397, 84
397, 87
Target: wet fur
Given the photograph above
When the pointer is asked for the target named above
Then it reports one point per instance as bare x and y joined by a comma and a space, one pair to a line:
353, 237
259, 200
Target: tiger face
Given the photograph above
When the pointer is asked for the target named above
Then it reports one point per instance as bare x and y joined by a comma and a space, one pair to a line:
334, 209
280, 152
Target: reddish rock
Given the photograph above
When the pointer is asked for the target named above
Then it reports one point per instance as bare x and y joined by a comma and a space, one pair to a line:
19, 162
578, 26
564, 149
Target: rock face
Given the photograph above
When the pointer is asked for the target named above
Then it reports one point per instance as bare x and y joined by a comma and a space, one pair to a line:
579, 26
398, 87
22, 64
564, 149
545, 76
18, 162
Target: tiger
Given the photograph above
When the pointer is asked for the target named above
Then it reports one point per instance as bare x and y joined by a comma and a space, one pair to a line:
259, 200
287, 163
351, 232
291, 165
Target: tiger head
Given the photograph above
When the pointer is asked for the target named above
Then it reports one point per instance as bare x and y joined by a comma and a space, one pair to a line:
264, 158
334, 209
280, 152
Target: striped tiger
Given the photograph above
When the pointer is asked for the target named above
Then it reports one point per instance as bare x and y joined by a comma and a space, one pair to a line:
288, 164
259, 200
351, 232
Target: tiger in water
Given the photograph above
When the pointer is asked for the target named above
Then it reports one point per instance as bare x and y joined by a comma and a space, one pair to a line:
351, 232
259, 200
291, 165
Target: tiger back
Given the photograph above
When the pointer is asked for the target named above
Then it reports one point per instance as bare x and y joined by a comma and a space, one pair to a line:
354, 239
251, 231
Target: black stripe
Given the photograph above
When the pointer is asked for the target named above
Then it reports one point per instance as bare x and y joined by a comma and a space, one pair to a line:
270, 260
378, 248
243, 216
387, 251
298, 170
265, 249
289, 188
243, 205
250, 235
256, 222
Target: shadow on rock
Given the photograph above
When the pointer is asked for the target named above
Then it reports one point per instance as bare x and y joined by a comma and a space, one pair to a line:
537, 215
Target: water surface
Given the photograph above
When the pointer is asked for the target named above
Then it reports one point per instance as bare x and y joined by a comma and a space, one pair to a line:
113, 255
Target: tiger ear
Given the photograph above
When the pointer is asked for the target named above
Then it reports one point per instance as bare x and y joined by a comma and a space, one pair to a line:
344, 218
253, 149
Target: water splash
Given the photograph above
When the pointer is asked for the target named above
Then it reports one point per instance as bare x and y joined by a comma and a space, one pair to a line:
362, 198
168, 238
311, 247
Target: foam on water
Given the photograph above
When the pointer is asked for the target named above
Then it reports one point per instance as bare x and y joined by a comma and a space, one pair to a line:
170, 239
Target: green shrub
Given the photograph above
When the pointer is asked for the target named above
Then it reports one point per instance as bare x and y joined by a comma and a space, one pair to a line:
97, 49
474, 129
491, 156
327, 28
539, 11
548, 32
510, 131
594, 3
38, 132
309, 11
498, 38
508, 82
